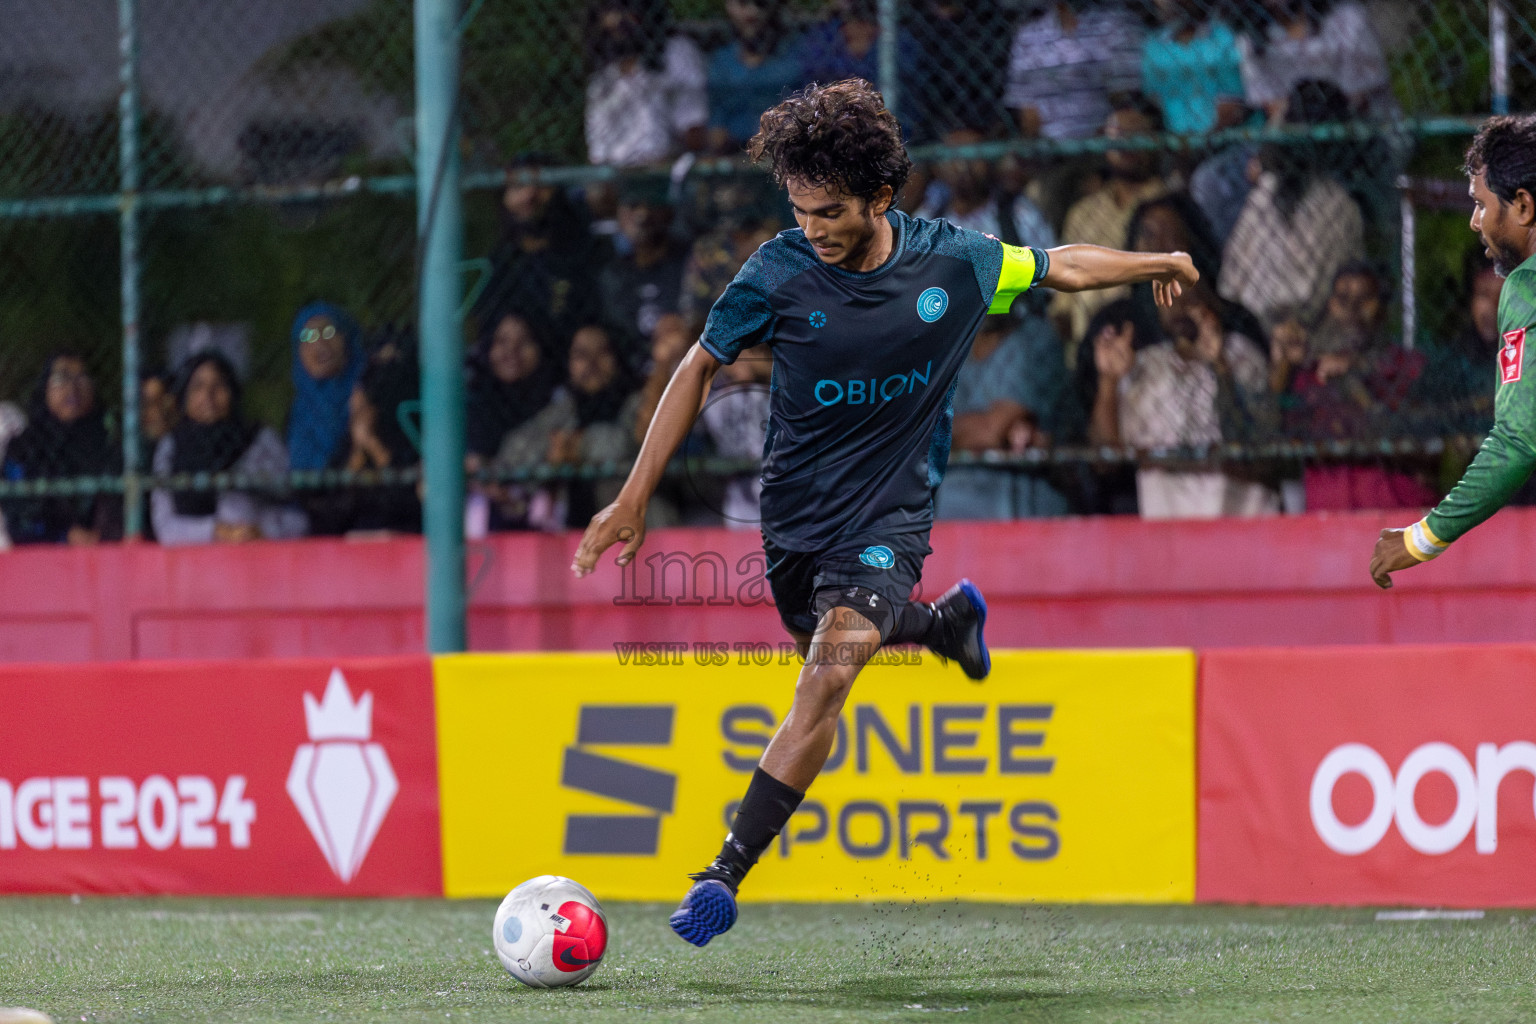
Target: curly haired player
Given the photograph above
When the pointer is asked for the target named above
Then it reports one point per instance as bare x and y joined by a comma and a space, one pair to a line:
869, 315
1502, 166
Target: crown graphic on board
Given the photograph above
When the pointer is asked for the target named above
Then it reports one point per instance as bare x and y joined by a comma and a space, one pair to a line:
338, 717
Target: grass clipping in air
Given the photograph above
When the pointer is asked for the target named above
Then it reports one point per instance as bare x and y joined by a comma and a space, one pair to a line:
289, 960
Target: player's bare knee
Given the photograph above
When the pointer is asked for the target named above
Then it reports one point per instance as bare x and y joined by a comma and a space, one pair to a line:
823, 688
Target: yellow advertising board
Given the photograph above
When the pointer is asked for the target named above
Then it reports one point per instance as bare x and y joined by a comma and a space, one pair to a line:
1066, 776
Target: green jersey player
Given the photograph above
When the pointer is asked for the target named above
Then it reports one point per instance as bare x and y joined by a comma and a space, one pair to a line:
1502, 166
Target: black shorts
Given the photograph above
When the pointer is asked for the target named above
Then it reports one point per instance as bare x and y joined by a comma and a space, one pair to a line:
875, 580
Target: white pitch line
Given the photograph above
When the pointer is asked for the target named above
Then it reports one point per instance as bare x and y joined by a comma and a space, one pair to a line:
1429, 915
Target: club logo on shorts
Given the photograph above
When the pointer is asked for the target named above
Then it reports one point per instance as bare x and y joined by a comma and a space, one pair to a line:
818, 319
878, 556
1512, 356
932, 304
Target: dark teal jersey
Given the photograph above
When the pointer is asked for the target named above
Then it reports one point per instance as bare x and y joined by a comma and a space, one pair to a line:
864, 368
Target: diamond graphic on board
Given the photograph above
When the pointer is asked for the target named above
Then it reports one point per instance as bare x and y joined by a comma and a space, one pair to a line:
341, 783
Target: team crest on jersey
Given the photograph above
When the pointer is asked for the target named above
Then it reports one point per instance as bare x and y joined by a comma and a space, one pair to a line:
1512, 356
878, 556
932, 304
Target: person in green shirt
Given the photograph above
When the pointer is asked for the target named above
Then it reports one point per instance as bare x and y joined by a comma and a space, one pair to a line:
1502, 165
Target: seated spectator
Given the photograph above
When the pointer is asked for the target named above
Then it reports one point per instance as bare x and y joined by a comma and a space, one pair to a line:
1298, 225
1103, 216
378, 440
1174, 223
1220, 185
847, 44
669, 343
157, 416
157, 412
1322, 41
1199, 387
643, 284
1105, 488
717, 255
1190, 66
735, 420
1355, 386
761, 65
66, 436
214, 437
1067, 62
12, 422
1006, 401
967, 195
545, 257
964, 66
1459, 384
590, 421
646, 99
327, 360
512, 376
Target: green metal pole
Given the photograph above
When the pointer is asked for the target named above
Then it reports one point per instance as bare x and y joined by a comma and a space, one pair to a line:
887, 56
128, 241
440, 227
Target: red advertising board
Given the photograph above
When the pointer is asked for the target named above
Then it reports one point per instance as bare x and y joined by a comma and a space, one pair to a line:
1368, 775
278, 777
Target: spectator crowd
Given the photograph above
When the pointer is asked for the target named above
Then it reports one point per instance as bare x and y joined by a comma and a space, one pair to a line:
596, 292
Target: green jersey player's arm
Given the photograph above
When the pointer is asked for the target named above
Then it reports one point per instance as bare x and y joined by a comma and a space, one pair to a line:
1508, 455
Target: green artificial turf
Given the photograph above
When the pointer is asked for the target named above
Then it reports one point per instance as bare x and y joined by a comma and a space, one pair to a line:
290, 960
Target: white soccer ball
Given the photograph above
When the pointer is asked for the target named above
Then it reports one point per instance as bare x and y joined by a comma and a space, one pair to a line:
549, 932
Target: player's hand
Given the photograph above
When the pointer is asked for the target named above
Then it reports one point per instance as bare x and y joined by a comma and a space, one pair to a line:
1391, 555
616, 524
1169, 285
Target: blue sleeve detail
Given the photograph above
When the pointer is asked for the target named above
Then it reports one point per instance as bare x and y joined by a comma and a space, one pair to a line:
943, 433
743, 315
983, 252
1042, 265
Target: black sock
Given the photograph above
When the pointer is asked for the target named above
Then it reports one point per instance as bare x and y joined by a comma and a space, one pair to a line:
916, 623
763, 813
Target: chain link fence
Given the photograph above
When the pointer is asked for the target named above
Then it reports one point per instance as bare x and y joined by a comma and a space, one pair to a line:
261, 205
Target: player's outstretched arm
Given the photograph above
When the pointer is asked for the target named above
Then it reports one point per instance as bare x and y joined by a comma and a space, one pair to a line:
1078, 268
623, 522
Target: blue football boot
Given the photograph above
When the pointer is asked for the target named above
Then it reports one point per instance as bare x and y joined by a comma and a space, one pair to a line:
962, 613
708, 910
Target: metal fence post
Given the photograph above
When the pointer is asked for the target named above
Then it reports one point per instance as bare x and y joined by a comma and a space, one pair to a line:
889, 65
128, 216
1406, 254
1498, 47
440, 231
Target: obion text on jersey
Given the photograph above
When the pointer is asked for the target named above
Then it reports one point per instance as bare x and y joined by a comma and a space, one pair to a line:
860, 392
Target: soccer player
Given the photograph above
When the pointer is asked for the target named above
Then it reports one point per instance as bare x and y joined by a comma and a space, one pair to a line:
869, 315
1502, 165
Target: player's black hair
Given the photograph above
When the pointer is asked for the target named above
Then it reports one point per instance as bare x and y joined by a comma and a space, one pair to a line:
1504, 152
836, 136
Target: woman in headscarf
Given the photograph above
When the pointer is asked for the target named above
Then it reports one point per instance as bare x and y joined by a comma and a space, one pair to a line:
589, 421
327, 361
66, 436
379, 440
512, 377
213, 437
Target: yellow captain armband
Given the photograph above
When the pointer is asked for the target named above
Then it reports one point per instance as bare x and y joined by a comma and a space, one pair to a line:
1421, 541
1023, 267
